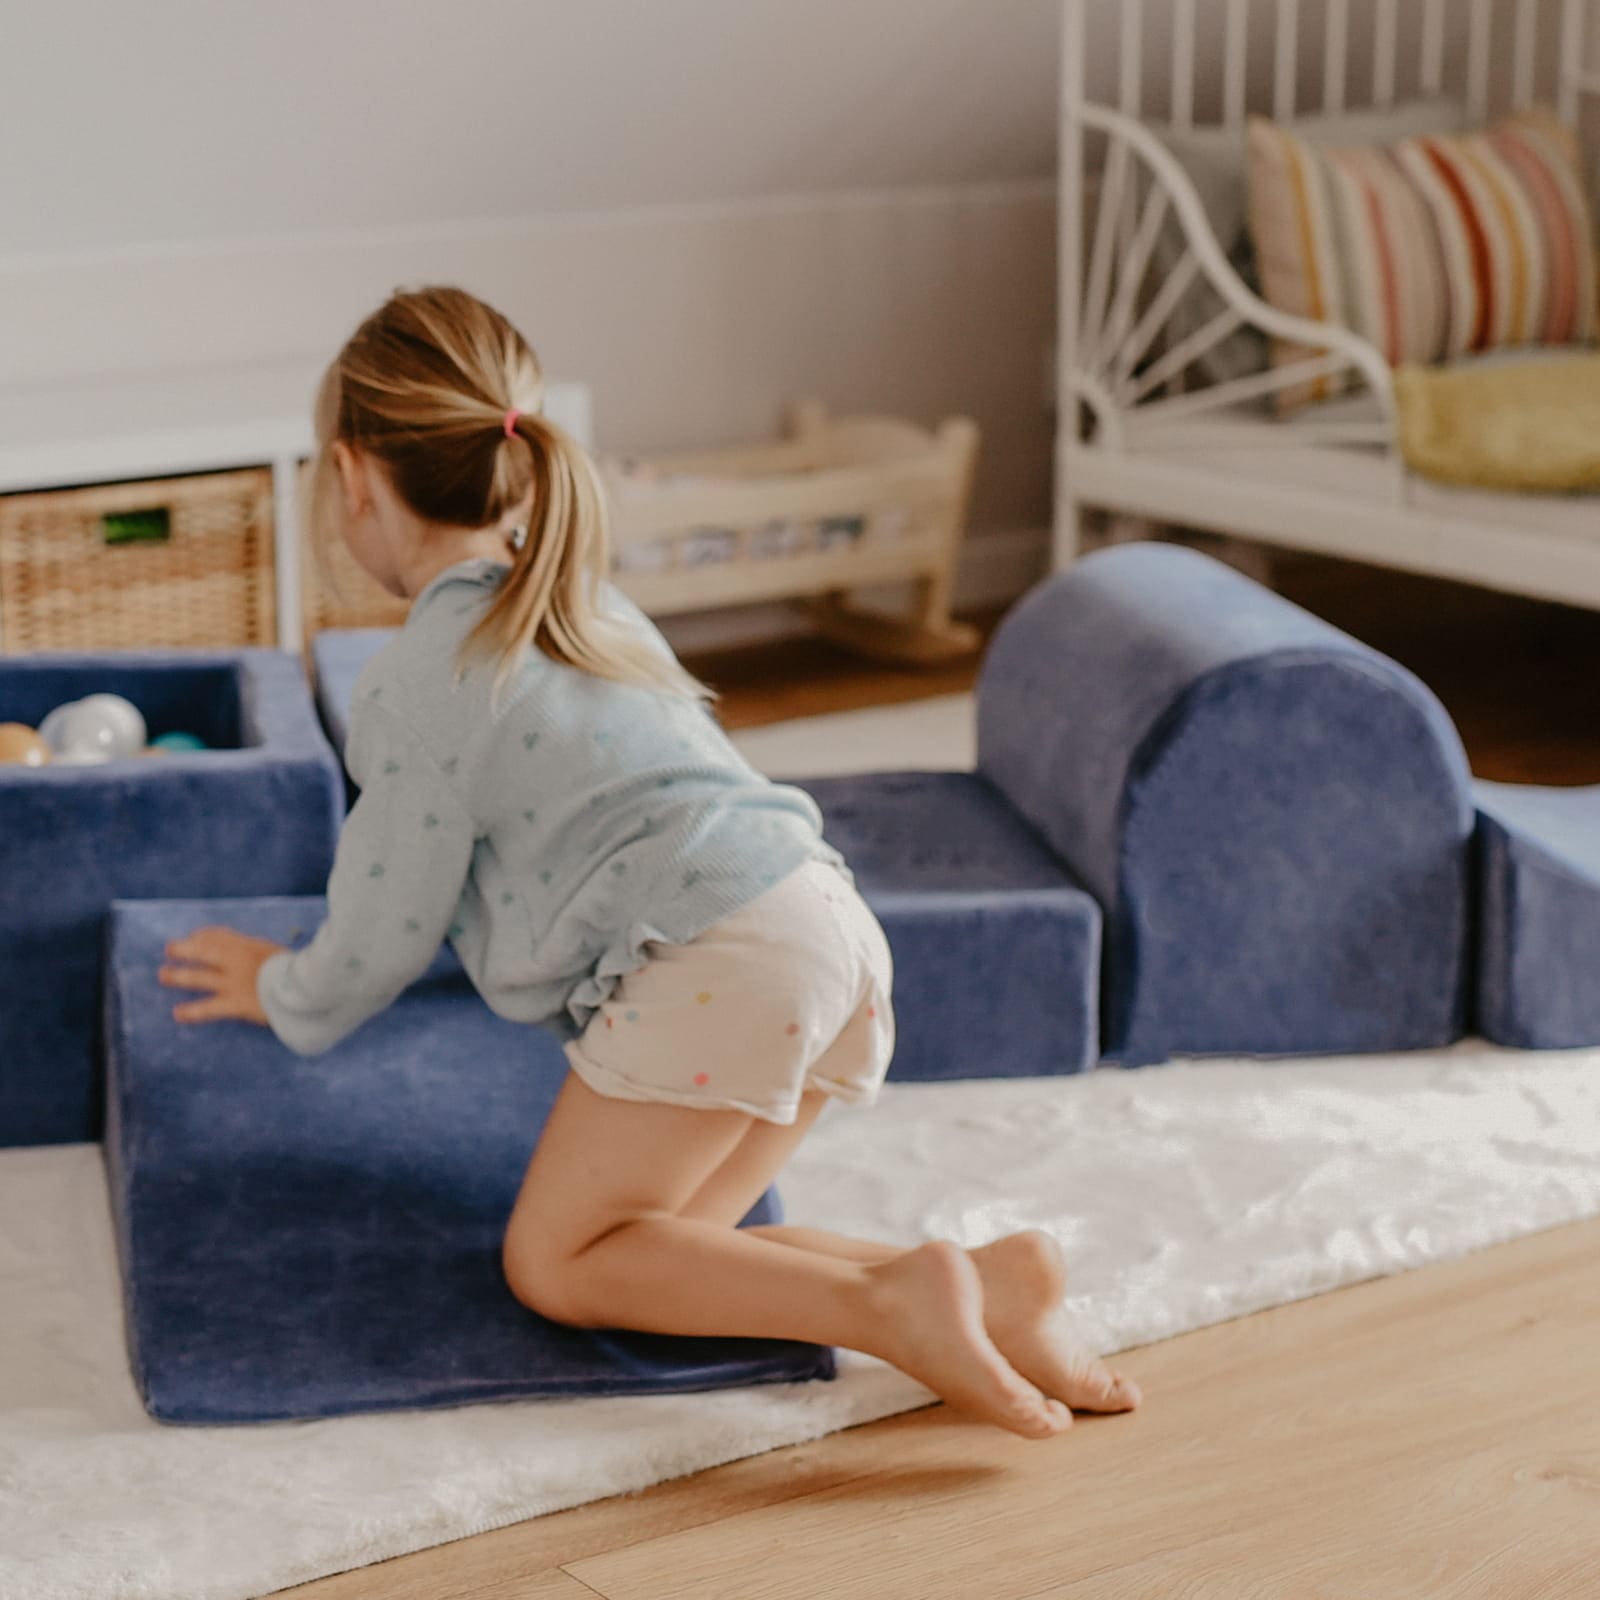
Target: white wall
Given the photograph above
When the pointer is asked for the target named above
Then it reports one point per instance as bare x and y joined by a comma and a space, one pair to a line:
199, 119
692, 324
703, 208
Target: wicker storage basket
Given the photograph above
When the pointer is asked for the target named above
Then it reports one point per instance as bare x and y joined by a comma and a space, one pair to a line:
334, 591
175, 562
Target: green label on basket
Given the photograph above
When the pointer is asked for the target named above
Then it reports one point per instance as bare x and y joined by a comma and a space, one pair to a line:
137, 527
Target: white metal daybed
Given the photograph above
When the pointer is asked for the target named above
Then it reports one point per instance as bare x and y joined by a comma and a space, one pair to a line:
1146, 431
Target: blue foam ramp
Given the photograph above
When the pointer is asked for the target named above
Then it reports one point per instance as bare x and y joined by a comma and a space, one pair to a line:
996, 945
256, 814
306, 1238
1538, 915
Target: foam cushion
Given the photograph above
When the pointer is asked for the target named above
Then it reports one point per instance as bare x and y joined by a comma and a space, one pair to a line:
338, 656
1538, 916
996, 947
304, 1238
257, 814
1275, 819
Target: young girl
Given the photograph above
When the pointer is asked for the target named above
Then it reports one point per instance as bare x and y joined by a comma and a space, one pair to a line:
542, 783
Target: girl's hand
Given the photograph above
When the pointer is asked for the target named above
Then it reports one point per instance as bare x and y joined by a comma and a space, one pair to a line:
224, 964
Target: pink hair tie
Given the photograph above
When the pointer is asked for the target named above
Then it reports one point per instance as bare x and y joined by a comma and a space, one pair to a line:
511, 421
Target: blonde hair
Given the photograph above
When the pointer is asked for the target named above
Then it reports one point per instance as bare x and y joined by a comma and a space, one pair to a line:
442, 391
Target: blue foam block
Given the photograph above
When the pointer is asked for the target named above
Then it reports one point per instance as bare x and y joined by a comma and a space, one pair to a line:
258, 813
305, 1238
996, 946
1538, 916
338, 657
1276, 820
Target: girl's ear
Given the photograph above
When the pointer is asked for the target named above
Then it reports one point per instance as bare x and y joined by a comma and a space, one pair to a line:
354, 485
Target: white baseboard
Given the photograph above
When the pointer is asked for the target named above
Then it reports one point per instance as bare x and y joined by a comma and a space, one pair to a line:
995, 568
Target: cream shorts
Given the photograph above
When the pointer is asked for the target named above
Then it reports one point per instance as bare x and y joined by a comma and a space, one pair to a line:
788, 994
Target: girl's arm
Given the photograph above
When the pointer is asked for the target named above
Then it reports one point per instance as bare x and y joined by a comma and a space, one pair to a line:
403, 856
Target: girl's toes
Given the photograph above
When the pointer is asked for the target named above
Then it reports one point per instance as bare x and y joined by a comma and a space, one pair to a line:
1090, 1385
1060, 1415
1101, 1389
1043, 1419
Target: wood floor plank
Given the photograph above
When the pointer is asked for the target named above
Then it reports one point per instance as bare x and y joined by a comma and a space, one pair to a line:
493, 1574
469, 1567
810, 677
1356, 1423
1514, 1518
548, 1585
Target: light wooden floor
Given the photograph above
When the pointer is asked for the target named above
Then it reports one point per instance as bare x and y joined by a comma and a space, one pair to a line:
1433, 1435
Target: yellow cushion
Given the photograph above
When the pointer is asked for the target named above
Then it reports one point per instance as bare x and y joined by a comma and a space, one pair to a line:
1524, 426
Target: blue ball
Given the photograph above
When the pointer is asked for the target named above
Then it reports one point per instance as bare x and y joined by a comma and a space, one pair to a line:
178, 741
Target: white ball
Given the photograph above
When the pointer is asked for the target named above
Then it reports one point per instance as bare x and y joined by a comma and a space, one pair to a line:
105, 727
53, 730
111, 711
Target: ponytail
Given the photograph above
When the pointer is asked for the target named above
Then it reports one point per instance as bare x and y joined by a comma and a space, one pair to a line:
433, 384
551, 601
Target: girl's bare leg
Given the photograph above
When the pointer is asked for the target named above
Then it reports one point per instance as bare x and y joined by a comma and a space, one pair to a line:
1023, 1281
1023, 1275
597, 1238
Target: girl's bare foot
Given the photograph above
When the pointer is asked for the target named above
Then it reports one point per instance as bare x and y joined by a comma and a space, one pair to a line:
929, 1303
1023, 1279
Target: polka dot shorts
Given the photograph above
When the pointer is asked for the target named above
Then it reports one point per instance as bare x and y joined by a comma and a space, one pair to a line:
789, 994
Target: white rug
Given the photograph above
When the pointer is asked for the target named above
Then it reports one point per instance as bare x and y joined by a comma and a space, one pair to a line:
1184, 1195
937, 735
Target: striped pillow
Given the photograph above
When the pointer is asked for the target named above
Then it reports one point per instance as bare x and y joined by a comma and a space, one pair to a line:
1432, 247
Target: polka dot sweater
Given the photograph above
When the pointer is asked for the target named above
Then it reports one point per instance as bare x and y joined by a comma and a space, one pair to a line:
550, 835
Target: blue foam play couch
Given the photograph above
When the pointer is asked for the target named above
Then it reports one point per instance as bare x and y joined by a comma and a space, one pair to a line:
338, 656
311, 1237
1202, 822
1275, 819
996, 944
257, 814
1538, 916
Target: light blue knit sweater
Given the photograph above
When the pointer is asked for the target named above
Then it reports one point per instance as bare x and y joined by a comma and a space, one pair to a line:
549, 836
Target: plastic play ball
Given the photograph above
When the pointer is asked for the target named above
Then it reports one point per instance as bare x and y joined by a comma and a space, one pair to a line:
121, 716
20, 746
178, 741
100, 727
54, 727
89, 736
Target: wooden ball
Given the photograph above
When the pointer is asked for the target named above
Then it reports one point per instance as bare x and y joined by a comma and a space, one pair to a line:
20, 746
